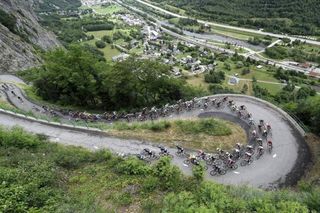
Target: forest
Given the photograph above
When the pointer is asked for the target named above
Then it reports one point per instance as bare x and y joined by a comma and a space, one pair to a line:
280, 16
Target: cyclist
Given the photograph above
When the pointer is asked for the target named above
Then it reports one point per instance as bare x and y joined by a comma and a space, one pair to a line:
201, 154
248, 157
230, 162
163, 150
237, 153
148, 151
229, 155
260, 150
259, 141
249, 149
180, 149
213, 101
265, 133
268, 126
238, 146
220, 151
251, 122
254, 133
193, 159
242, 107
269, 144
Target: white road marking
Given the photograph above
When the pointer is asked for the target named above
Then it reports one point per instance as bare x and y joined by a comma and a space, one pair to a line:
236, 172
95, 147
275, 155
185, 165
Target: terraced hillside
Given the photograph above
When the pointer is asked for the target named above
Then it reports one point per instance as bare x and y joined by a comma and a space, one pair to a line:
288, 16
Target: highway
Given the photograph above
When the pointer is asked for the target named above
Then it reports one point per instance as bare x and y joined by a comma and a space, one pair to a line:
259, 32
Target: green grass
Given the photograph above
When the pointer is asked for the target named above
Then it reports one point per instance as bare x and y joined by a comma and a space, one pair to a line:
108, 51
156, 126
107, 10
207, 126
260, 74
234, 33
272, 88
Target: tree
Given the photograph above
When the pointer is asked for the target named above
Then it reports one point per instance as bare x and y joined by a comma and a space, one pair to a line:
244, 88
71, 77
100, 44
214, 77
107, 39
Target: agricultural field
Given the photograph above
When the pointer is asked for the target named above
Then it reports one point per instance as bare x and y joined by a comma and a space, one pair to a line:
107, 10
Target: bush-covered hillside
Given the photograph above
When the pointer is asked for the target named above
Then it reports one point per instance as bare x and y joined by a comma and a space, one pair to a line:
288, 16
37, 176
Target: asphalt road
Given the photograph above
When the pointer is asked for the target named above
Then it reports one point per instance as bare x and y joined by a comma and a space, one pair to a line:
283, 167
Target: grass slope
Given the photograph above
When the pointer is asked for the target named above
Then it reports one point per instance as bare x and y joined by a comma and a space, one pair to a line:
37, 176
207, 134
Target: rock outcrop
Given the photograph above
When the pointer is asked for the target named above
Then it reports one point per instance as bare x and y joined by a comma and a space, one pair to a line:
19, 48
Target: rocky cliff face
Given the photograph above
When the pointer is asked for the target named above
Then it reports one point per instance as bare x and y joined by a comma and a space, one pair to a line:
18, 48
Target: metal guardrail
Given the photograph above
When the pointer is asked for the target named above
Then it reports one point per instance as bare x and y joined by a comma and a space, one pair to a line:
46, 120
289, 115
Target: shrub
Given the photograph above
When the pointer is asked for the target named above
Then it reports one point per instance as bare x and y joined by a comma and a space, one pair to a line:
7, 20
132, 166
100, 44
16, 137
124, 199
169, 175
245, 71
198, 172
72, 158
107, 39
150, 184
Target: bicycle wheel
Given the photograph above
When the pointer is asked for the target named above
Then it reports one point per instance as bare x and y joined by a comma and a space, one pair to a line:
222, 172
209, 162
218, 162
213, 173
234, 166
187, 162
258, 156
243, 163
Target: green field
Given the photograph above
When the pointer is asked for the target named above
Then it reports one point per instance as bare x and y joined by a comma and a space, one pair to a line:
272, 88
107, 10
260, 74
235, 33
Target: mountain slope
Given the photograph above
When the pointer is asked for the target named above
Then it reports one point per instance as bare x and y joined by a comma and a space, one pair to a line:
21, 36
291, 16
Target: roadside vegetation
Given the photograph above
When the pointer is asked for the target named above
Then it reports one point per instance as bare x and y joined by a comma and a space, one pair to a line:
39, 176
